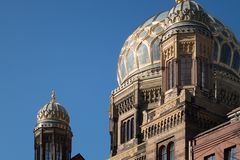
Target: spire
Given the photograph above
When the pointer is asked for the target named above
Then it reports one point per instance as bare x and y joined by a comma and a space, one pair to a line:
53, 97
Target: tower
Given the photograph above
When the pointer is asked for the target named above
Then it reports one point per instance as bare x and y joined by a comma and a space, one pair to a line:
178, 75
52, 134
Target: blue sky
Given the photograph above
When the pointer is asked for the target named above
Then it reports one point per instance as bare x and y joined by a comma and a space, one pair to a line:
71, 46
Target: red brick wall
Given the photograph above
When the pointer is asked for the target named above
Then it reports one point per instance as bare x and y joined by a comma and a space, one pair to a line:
215, 141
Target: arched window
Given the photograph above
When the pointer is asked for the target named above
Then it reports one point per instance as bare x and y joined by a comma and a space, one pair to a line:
143, 34
162, 153
230, 153
132, 128
58, 151
122, 69
170, 151
186, 70
122, 132
170, 75
125, 132
143, 57
202, 69
61, 152
130, 61
156, 51
215, 52
236, 61
128, 130
48, 154
225, 54
157, 29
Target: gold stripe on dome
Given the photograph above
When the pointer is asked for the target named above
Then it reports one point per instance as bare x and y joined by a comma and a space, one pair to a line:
179, 1
53, 111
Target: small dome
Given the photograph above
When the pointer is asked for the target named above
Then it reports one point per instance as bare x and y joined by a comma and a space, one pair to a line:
53, 112
186, 6
185, 11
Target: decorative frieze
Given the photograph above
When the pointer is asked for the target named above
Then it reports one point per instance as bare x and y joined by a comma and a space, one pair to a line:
228, 97
173, 103
151, 73
151, 95
125, 105
228, 76
141, 158
162, 124
169, 52
186, 47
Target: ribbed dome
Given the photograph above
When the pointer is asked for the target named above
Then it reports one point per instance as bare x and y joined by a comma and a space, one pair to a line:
226, 52
142, 52
186, 11
53, 112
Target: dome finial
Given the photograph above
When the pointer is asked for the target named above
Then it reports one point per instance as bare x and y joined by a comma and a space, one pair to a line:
53, 96
180, 1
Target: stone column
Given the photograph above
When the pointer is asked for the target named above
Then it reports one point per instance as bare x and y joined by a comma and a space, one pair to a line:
136, 129
176, 76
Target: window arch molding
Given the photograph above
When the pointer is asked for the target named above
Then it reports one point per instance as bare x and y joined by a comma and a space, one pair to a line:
127, 130
226, 54
143, 54
166, 150
216, 51
131, 62
155, 51
123, 71
185, 70
170, 151
236, 60
142, 34
162, 153
132, 128
157, 29
202, 72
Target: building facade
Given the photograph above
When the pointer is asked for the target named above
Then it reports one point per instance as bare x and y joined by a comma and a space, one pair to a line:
52, 134
179, 76
220, 142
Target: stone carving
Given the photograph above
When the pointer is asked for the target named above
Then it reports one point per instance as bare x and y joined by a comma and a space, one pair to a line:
125, 105
188, 11
141, 158
186, 47
162, 125
169, 52
151, 95
228, 97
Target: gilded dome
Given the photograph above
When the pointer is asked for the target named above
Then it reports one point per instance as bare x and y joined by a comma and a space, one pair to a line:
53, 112
141, 51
